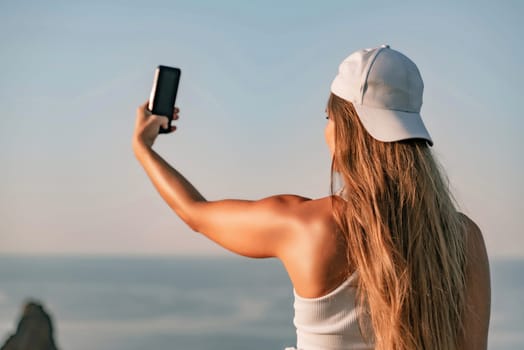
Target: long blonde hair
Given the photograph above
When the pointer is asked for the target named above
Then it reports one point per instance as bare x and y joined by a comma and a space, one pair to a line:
403, 236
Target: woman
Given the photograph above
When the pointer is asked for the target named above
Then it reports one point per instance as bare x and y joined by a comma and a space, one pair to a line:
387, 262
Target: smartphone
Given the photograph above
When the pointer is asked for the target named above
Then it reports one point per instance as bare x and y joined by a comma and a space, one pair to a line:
163, 94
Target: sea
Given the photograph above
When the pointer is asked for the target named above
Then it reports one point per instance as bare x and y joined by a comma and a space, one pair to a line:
133, 302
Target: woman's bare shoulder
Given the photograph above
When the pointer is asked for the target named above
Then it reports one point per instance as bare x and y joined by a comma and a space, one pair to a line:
476, 251
318, 209
478, 289
317, 239
475, 238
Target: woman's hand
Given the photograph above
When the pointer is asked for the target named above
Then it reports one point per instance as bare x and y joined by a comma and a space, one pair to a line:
147, 126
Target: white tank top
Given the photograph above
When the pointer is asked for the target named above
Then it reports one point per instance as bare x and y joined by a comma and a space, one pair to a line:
330, 321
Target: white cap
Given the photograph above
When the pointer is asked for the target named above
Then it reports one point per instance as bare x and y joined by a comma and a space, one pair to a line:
386, 89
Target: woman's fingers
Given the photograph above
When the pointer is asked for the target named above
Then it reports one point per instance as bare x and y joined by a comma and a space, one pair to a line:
160, 119
144, 113
144, 106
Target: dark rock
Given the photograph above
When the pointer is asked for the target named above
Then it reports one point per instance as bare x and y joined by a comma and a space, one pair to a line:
34, 331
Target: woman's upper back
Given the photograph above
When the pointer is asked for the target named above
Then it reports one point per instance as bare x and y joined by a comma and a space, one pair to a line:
316, 262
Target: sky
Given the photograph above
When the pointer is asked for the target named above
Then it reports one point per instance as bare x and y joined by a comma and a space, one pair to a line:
255, 81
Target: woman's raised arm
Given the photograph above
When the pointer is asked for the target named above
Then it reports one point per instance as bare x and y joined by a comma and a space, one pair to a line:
262, 228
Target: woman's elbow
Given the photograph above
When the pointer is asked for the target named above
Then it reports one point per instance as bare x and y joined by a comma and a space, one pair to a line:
192, 218
193, 224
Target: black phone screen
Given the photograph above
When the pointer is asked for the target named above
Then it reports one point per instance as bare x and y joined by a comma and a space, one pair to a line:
164, 92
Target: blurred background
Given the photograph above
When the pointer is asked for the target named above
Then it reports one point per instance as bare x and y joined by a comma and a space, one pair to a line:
80, 222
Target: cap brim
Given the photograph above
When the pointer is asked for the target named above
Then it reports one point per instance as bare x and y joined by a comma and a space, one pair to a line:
388, 125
